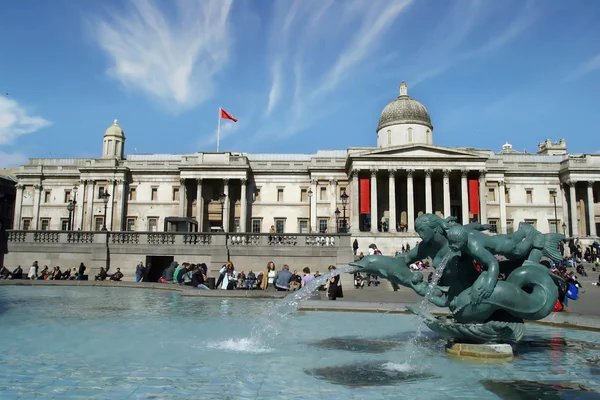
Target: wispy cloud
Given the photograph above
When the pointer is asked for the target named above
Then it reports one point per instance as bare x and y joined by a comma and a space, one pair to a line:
174, 60
332, 41
470, 30
585, 68
12, 160
15, 121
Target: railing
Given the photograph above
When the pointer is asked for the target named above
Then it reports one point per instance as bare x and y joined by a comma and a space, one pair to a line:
177, 238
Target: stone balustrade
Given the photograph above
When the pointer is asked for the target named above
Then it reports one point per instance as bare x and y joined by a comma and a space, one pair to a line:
126, 249
176, 238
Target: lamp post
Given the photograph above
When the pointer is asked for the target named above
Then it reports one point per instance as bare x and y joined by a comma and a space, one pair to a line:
70, 208
344, 198
564, 226
222, 199
555, 214
105, 197
337, 220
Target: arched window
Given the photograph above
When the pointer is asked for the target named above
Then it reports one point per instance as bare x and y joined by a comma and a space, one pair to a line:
389, 137
410, 135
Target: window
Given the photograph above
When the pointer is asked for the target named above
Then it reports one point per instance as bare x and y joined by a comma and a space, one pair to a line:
303, 226
256, 224
257, 194
409, 135
322, 226
175, 194
510, 226
279, 195
45, 222
529, 195
552, 194
132, 194
389, 137
236, 225
493, 225
154, 194
532, 222
67, 196
279, 225
100, 192
322, 193
152, 224
64, 224
507, 195
303, 195
130, 225
47, 196
553, 225
491, 194
98, 223
26, 224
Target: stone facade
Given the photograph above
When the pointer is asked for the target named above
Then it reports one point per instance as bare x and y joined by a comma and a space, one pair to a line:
300, 193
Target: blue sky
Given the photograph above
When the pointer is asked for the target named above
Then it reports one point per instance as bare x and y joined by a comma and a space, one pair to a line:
300, 75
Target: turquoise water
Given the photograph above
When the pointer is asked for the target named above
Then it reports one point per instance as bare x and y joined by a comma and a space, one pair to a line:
112, 343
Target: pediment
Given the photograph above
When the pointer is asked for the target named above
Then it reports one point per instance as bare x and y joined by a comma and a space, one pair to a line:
419, 151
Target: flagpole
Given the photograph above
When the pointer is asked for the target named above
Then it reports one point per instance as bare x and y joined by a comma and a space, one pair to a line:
219, 130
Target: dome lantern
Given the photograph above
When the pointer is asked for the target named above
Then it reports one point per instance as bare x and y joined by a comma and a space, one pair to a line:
114, 142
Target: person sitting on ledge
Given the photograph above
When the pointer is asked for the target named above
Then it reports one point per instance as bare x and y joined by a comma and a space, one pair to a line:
282, 279
66, 275
101, 275
117, 276
17, 273
5, 273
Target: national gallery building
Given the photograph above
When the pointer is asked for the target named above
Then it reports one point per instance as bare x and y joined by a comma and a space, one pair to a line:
375, 193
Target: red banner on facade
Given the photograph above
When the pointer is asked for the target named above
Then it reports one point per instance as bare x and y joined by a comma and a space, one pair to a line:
365, 195
474, 196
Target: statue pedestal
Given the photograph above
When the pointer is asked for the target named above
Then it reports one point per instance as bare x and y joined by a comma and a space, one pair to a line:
488, 351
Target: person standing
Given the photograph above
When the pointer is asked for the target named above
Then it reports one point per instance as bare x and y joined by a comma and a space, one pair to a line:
355, 246
139, 272
335, 288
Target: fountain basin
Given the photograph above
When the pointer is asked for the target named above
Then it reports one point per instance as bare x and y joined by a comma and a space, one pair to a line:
81, 342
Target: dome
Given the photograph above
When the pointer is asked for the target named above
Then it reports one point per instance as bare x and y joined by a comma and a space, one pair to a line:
115, 130
404, 110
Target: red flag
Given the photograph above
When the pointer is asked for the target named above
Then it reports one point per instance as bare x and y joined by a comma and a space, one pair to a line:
226, 115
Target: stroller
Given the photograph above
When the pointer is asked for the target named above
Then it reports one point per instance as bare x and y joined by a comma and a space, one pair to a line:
359, 281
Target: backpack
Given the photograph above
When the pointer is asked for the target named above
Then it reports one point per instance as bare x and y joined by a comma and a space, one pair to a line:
573, 292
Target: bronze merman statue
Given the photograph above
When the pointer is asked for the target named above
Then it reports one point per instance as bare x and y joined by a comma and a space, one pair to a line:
483, 307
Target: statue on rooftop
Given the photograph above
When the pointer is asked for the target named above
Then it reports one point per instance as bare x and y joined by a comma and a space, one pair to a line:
489, 303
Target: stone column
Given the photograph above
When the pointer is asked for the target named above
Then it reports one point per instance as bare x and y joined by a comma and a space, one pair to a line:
354, 203
226, 208
111, 205
565, 210
502, 199
90, 205
410, 200
36, 206
428, 198
374, 218
199, 205
80, 205
574, 224
482, 197
333, 204
392, 190
18, 207
446, 188
591, 213
243, 205
313, 206
464, 196
122, 215
182, 194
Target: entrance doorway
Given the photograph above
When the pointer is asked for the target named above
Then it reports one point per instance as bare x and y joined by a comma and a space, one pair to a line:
158, 265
